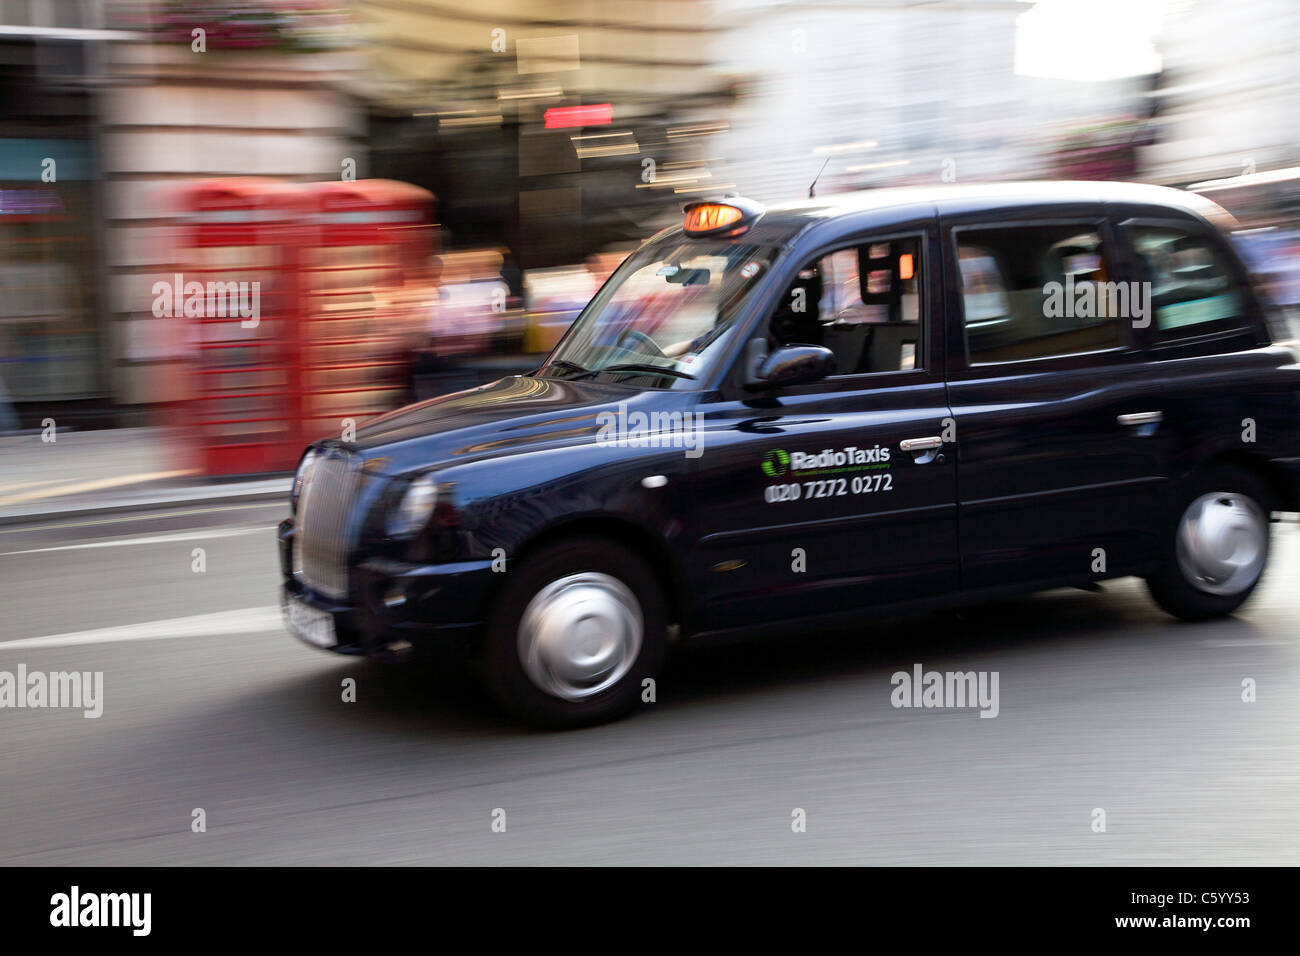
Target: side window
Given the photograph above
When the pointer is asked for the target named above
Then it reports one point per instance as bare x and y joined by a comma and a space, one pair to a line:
1191, 286
1033, 292
863, 302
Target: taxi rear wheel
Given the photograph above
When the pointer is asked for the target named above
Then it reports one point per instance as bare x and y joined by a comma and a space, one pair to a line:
579, 625
1216, 545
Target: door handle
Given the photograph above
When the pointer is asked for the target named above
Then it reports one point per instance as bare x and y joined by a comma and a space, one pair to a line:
920, 444
1141, 418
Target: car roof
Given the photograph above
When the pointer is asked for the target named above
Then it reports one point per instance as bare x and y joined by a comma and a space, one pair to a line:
996, 195
782, 223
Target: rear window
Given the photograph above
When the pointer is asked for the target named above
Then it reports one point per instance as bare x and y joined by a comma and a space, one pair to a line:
1034, 292
1193, 285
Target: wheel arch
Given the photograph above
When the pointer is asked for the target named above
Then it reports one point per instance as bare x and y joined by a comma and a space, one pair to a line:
1272, 474
637, 539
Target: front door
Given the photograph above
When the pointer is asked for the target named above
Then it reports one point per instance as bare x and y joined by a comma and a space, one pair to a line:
805, 501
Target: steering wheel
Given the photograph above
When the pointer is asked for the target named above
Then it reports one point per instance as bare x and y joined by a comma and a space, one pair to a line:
640, 343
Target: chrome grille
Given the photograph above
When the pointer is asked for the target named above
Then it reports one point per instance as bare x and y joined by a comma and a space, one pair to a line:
321, 534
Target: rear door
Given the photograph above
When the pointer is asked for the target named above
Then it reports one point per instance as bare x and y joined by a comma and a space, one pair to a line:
1058, 476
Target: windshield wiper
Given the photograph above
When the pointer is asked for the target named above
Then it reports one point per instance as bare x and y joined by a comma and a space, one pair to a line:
641, 367
573, 367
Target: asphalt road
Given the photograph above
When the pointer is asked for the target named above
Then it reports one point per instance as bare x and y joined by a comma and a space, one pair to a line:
1103, 703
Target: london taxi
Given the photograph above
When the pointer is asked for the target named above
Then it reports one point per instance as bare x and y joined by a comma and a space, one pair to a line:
882, 400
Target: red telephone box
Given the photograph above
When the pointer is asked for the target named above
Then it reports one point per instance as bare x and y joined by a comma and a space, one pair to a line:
303, 303
237, 288
368, 284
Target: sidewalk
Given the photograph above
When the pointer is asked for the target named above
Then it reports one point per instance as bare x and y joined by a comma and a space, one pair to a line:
124, 469
103, 471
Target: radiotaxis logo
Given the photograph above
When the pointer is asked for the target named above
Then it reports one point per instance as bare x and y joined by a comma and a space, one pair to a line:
776, 463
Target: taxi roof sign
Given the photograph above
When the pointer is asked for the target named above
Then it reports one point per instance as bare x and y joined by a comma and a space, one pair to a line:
720, 217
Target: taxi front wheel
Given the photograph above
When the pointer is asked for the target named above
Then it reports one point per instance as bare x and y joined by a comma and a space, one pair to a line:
1215, 545
579, 626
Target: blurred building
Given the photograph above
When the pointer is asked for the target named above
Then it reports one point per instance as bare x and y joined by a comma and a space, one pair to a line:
1229, 96
544, 125
906, 91
107, 109
258, 100
553, 130
540, 126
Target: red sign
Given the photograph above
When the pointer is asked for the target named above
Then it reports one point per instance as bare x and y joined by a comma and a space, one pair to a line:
564, 117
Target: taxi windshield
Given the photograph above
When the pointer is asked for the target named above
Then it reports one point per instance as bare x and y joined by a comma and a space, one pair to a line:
664, 316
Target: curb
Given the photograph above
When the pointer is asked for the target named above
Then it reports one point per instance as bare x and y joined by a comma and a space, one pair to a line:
272, 489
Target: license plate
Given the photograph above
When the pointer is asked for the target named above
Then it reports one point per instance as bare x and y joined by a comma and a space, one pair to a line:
308, 623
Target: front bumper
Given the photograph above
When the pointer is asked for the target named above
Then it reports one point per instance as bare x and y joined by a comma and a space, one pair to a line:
394, 610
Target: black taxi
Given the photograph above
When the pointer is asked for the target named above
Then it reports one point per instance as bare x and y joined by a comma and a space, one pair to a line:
880, 400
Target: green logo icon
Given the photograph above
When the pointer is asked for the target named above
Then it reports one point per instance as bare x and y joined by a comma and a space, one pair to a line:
776, 463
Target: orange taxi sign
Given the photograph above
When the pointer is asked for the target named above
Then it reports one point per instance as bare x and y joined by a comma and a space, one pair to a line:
711, 216
716, 217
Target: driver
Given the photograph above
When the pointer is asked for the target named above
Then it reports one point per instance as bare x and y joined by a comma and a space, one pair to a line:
697, 344
797, 319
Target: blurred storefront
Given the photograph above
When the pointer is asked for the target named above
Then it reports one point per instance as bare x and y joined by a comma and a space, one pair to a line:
52, 328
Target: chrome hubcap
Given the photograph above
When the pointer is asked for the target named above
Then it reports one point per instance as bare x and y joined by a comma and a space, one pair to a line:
1222, 540
580, 635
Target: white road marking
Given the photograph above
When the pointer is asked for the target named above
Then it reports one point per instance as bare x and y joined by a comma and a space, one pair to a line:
1264, 643
249, 620
151, 539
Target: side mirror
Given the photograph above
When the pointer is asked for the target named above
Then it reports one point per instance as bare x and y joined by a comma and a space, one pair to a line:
793, 365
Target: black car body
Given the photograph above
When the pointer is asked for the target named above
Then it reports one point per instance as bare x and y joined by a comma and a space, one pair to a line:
952, 421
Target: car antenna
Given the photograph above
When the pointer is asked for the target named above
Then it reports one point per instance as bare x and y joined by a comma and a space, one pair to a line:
811, 193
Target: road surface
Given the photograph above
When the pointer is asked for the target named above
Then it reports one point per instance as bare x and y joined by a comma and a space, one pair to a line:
1104, 704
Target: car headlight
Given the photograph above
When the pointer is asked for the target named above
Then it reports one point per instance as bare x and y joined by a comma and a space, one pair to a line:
301, 476
413, 511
